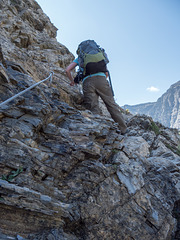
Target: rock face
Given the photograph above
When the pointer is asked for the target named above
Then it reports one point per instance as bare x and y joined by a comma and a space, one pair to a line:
66, 174
28, 39
166, 110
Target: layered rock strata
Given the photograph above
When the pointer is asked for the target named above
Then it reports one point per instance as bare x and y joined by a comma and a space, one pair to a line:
64, 172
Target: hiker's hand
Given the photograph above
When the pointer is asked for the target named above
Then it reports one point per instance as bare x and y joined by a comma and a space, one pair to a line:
72, 83
107, 75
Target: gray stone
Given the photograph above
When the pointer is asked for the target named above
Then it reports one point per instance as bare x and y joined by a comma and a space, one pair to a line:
65, 173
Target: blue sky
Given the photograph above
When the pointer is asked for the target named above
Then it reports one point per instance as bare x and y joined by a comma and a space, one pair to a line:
141, 38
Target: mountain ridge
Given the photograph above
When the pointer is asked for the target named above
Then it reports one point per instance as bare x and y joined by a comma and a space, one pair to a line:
165, 110
65, 173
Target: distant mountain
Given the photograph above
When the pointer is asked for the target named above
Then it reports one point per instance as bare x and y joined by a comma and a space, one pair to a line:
166, 110
66, 173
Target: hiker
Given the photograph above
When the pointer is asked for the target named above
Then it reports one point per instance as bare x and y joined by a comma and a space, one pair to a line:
95, 81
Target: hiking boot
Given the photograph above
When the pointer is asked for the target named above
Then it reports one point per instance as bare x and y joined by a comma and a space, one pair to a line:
124, 132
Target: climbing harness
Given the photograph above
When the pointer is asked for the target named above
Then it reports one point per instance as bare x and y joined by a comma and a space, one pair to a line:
27, 89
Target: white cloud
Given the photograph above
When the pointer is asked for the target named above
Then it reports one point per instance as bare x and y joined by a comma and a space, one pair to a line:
152, 89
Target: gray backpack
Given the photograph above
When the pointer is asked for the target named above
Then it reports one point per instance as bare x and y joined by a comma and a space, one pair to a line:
92, 58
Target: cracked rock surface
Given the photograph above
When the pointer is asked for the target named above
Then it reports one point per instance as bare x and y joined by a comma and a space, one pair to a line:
66, 174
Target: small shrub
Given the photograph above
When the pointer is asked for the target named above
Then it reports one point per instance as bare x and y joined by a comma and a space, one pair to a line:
178, 150
154, 128
114, 150
173, 149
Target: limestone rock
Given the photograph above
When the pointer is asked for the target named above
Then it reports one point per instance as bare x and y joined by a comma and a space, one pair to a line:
64, 172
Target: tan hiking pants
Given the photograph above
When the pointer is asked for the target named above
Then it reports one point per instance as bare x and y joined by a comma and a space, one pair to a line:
96, 86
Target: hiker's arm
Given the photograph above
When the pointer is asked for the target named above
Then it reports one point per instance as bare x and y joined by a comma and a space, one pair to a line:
68, 72
107, 75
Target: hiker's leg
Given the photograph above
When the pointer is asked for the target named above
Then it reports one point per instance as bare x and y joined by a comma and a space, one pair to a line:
104, 91
90, 96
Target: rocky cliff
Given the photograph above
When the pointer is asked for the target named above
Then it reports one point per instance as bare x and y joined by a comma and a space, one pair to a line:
166, 110
66, 174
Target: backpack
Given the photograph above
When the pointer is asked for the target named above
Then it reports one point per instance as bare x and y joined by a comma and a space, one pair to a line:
92, 58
